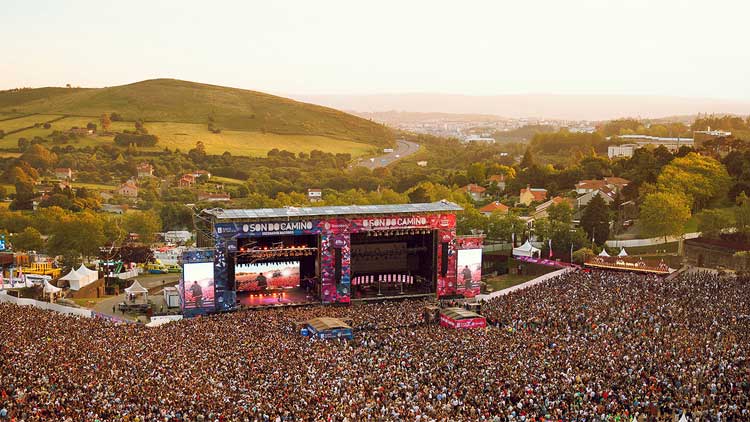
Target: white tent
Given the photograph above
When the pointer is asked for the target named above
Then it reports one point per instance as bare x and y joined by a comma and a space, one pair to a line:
603, 253
136, 288
91, 275
622, 252
136, 294
75, 279
49, 288
527, 249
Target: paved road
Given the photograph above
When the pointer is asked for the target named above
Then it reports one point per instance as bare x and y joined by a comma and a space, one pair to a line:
403, 149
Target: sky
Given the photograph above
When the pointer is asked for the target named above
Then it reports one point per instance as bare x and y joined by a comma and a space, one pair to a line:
643, 47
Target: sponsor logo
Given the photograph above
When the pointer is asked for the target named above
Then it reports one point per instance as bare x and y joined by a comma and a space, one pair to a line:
275, 227
374, 223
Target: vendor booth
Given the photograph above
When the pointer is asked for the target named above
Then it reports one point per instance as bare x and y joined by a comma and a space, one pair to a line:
461, 318
527, 249
326, 328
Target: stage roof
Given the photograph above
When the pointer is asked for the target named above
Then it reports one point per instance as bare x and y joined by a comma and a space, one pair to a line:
264, 213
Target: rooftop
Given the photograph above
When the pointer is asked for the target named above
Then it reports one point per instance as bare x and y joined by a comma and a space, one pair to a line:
293, 212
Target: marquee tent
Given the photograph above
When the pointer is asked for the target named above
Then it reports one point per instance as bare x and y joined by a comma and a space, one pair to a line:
49, 288
604, 253
90, 274
75, 279
622, 252
136, 293
527, 249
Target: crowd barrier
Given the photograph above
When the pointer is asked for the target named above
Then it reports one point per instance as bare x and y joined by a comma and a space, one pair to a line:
4, 297
128, 274
649, 242
533, 282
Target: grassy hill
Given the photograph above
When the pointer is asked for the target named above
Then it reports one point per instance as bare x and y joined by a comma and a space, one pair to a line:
169, 100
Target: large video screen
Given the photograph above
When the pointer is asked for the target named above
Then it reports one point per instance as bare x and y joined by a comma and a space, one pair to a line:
266, 275
469, 271
198, 285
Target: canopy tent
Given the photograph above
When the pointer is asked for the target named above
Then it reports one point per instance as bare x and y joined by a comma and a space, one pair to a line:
604, 253
49, 288
527, 249
622, 252
90, 274
136, 293
75, 279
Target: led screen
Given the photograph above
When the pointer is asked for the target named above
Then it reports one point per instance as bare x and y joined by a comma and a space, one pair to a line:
267, 275
198, 285
469, 271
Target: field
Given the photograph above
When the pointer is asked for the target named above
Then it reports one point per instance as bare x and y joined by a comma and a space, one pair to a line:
14, 124
185, 135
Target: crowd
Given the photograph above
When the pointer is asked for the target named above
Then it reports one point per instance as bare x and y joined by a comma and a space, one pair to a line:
584, 346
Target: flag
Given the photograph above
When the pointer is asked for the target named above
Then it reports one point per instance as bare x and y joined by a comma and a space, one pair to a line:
2, 281
513, 237
550, 247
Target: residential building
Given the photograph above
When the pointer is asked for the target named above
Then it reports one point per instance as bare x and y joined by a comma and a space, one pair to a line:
314, 195
621, 151
186, 181
492, 207
497, 180
213, 197
64, 173
177, 236
145, 170
607, 193
476, 192
114, 209
198, 173
422, 163
529, 195
128, 189
477, 138
541, 210
588, 185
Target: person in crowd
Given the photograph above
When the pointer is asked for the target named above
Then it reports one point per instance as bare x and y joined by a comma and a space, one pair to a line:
598, 346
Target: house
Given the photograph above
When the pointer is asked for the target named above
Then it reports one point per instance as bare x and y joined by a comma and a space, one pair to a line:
541, 210
64, 173
494, 206
314, 195
213, 197
476, 192
588, 186
106, 196
128, 189
529, 195
616, 183
422, 163
497, 180
607, 193
65, 184
186, 181
621, 151
145, 170
80, 131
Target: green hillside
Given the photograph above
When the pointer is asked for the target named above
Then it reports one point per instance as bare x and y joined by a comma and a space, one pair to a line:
169, 100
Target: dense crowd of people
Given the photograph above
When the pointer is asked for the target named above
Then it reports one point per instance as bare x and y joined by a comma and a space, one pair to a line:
584, 346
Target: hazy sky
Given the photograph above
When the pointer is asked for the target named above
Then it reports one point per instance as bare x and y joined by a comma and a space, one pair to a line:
657, 47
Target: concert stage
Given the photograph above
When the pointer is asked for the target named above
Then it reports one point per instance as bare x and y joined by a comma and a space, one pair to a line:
336, 254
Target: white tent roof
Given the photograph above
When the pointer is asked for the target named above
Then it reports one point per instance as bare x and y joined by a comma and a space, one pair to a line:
603, 253
90, 274
73, 275
622, 252
136, 288
527, 249
48, 288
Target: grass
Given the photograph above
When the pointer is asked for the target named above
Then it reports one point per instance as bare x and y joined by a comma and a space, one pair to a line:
89, 302
253, 144
9, 154
9, 188
93, 186
226, 180
15, 124
668, 248
168, 100
508, 280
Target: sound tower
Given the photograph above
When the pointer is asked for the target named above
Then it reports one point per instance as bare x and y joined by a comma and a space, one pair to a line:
443, 259
337, 265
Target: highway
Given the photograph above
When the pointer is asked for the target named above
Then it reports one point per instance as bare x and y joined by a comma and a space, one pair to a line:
403, 149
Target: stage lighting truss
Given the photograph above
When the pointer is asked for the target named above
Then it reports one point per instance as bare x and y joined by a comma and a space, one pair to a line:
258, 253
397, 232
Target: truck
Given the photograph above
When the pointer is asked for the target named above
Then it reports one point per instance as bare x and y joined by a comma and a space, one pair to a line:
387, 150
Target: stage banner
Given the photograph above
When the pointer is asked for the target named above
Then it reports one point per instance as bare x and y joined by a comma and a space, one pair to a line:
390, 222
446, 259
331, 291
267, 228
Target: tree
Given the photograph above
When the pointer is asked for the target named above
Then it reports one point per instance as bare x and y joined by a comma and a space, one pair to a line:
664, 214
24, 195
560, 212
23, 143
28, 240
701, 178
77, 235
39, 157
145, 224
528, 159
105, 121
742, 214
595, 220
712, 221
470, 219
502, 226
581, 255
477, 173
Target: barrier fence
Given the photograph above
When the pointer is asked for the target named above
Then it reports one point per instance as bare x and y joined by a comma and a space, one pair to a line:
4, 297
533, 282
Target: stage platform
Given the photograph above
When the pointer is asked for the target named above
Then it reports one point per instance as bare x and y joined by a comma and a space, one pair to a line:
278, 297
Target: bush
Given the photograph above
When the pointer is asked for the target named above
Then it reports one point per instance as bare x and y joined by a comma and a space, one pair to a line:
115, 117
47, 125
126, 139
581, 255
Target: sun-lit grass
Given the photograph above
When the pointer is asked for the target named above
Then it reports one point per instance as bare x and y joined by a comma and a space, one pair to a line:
14, 124
93, 186
226, 180
185, 136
